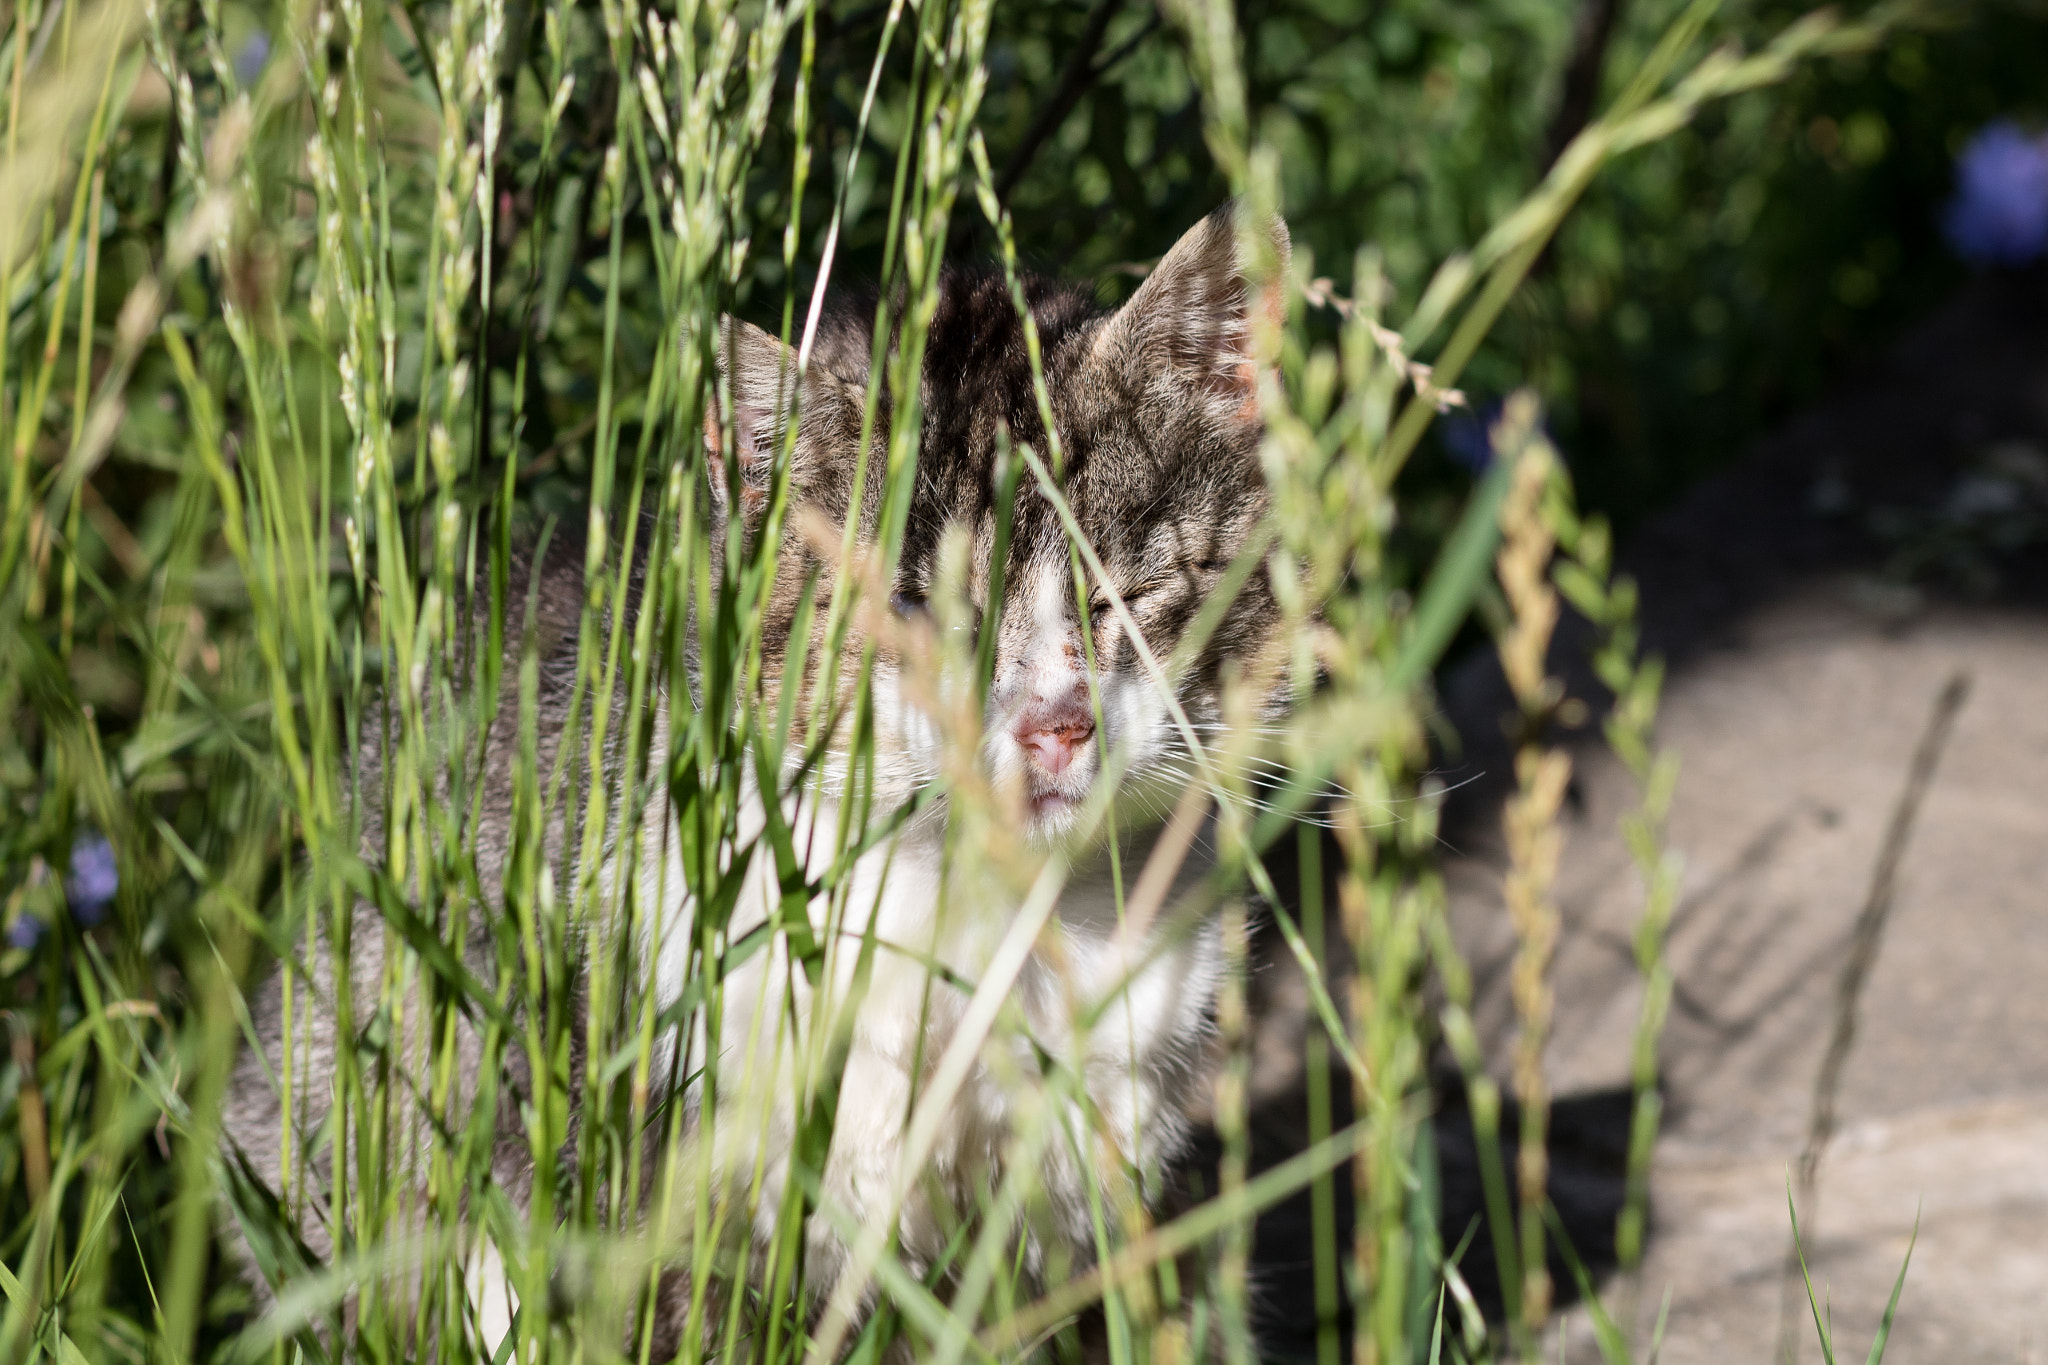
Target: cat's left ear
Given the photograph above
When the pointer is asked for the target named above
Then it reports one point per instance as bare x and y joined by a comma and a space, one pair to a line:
1190, 324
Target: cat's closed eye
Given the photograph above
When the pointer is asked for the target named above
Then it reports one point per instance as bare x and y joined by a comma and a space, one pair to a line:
1099, 600
913, 603
1193, 576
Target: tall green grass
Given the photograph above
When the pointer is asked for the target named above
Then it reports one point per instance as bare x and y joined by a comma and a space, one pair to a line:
270, 453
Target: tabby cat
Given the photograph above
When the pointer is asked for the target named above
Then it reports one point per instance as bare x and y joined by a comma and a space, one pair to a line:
1157, 410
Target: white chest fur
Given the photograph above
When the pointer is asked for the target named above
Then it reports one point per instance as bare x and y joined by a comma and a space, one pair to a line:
946, 1034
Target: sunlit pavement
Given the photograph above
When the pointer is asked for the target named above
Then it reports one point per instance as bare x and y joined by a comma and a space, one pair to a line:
1804, 679
1796, 743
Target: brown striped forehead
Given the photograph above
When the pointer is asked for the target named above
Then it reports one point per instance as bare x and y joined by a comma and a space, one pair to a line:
1145, 478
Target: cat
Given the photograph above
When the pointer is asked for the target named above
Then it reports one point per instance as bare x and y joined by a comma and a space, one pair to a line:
1157, 409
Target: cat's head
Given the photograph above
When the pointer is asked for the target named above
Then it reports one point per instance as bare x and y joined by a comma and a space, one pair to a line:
1157, 410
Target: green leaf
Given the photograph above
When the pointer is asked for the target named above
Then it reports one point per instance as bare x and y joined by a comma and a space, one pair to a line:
1884, 1328
1827, 1340
1454, 581
1613, 1346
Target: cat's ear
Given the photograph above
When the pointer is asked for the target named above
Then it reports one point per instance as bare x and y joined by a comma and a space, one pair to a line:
758, 377
1190, 322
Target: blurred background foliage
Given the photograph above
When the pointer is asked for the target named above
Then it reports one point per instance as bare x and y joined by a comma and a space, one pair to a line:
1705, 286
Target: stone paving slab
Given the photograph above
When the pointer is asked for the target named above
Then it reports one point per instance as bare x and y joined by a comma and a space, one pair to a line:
1975, 1176
1794, 748
1795, 741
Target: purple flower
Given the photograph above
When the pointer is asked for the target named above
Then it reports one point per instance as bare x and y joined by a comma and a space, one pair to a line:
1999, 215
26, 932
94, 878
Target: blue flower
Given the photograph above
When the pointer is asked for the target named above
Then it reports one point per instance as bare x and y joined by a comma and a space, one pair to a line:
249, 61
1999, 215
94, 878
1467, 435
26, 932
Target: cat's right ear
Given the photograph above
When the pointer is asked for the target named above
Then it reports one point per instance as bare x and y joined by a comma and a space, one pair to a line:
757, 386
1187, 331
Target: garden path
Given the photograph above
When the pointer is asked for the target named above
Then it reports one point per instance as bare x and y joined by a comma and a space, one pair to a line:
1806, 671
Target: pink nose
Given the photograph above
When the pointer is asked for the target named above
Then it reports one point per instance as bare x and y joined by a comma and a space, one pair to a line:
1053, 735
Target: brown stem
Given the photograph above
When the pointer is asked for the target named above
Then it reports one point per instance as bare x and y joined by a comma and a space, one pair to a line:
1080, 73
1591, 33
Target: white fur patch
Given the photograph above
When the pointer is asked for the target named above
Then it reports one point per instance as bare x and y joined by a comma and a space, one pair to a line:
491, 1297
